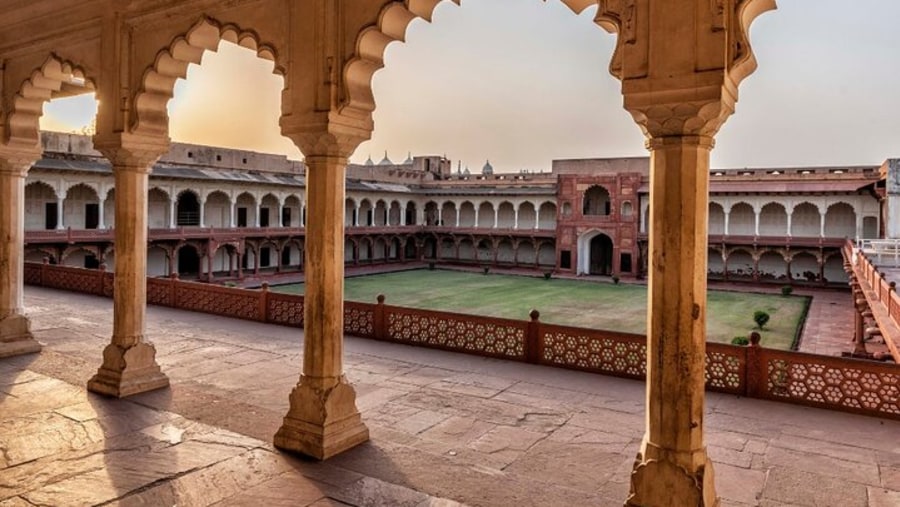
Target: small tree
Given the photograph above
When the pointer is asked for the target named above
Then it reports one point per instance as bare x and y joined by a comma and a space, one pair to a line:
786, 290
761, 318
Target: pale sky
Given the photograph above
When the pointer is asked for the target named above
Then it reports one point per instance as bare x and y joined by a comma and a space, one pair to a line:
523, 82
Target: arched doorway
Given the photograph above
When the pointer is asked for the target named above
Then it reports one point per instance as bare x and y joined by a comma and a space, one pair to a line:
187, 210
188, 261
601, 255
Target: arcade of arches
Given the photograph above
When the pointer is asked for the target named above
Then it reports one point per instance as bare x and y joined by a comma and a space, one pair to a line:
327, 111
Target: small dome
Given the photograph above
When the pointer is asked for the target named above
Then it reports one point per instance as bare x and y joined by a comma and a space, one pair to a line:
409, 159
466, 172
369, 161
488, 169
385, 160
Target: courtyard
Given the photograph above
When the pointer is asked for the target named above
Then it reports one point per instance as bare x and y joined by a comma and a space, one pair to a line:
580, 303
447, 429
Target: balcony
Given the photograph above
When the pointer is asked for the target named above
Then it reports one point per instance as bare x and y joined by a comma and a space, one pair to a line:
446, 427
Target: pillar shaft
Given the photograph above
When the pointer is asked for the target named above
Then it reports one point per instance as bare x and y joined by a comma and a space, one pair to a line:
673, 452
15, 328
323, 419
129, 361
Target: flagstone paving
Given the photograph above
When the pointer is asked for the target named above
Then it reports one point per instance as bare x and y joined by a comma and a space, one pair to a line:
447, 429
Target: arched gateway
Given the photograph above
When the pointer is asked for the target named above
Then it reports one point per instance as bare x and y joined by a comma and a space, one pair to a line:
595, 254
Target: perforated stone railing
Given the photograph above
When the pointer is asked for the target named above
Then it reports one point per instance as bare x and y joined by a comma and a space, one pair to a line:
846, 384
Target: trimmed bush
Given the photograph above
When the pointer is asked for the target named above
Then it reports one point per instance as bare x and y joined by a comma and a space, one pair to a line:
786, 290
548, 275
615, 279
761, 318
740, 340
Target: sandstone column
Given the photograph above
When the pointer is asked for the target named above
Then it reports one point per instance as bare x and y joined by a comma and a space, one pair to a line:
323, 419
129, 362
680, 63
672, 462
15, 328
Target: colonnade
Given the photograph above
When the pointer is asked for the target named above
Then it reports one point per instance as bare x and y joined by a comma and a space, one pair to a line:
680, 63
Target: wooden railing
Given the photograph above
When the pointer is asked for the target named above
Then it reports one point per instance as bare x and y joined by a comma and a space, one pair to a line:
821, 381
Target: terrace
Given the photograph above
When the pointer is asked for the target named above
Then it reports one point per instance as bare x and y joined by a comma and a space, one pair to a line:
445, 427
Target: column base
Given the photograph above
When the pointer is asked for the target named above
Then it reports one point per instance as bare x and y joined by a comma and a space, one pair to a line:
322, 420
128, 370
659, 482
16, 338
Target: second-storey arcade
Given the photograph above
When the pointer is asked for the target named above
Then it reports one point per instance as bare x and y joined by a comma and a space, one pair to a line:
216, 214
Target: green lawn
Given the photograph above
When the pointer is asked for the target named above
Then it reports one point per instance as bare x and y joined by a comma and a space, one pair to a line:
569, 302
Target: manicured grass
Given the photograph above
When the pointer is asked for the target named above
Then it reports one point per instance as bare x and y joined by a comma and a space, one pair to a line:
569, 302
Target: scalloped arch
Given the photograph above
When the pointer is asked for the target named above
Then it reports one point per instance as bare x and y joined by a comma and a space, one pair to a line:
28, 104
171, 64
391, 26
801, 203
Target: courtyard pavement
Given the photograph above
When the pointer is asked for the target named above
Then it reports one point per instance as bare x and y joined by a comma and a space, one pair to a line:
447, 429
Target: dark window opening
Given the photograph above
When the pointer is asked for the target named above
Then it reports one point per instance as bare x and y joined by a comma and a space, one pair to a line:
265, 257
187, 210
51, 213
190, 154
565, 259
285, 217
625, 263
91, 216
286, 256
91, 262
263, 217
188, 261
242, 217
218, 158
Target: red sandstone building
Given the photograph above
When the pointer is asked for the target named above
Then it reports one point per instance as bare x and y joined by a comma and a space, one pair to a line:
221, 214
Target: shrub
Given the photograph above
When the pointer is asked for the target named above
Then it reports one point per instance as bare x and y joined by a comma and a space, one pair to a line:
786, 290
548, 275
431, 266
615, 279
740, 340
761, 318
486, 269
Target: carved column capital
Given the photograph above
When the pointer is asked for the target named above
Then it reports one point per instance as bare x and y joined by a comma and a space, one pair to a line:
17, 162
677, 84
132, 152
327, 135
663, 117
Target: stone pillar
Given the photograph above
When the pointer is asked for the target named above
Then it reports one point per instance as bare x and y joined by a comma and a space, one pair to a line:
822, 223
787, 233
440, 219
60, 209
356, 216
101, 220
15, 328
476, 218
173, 221
129, 362
727, 215
681, 63
256, 218
202, 202
756, 222
516, 220
323, 419
673, 452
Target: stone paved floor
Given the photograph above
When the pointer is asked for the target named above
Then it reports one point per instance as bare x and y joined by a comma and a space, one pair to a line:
446, 428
